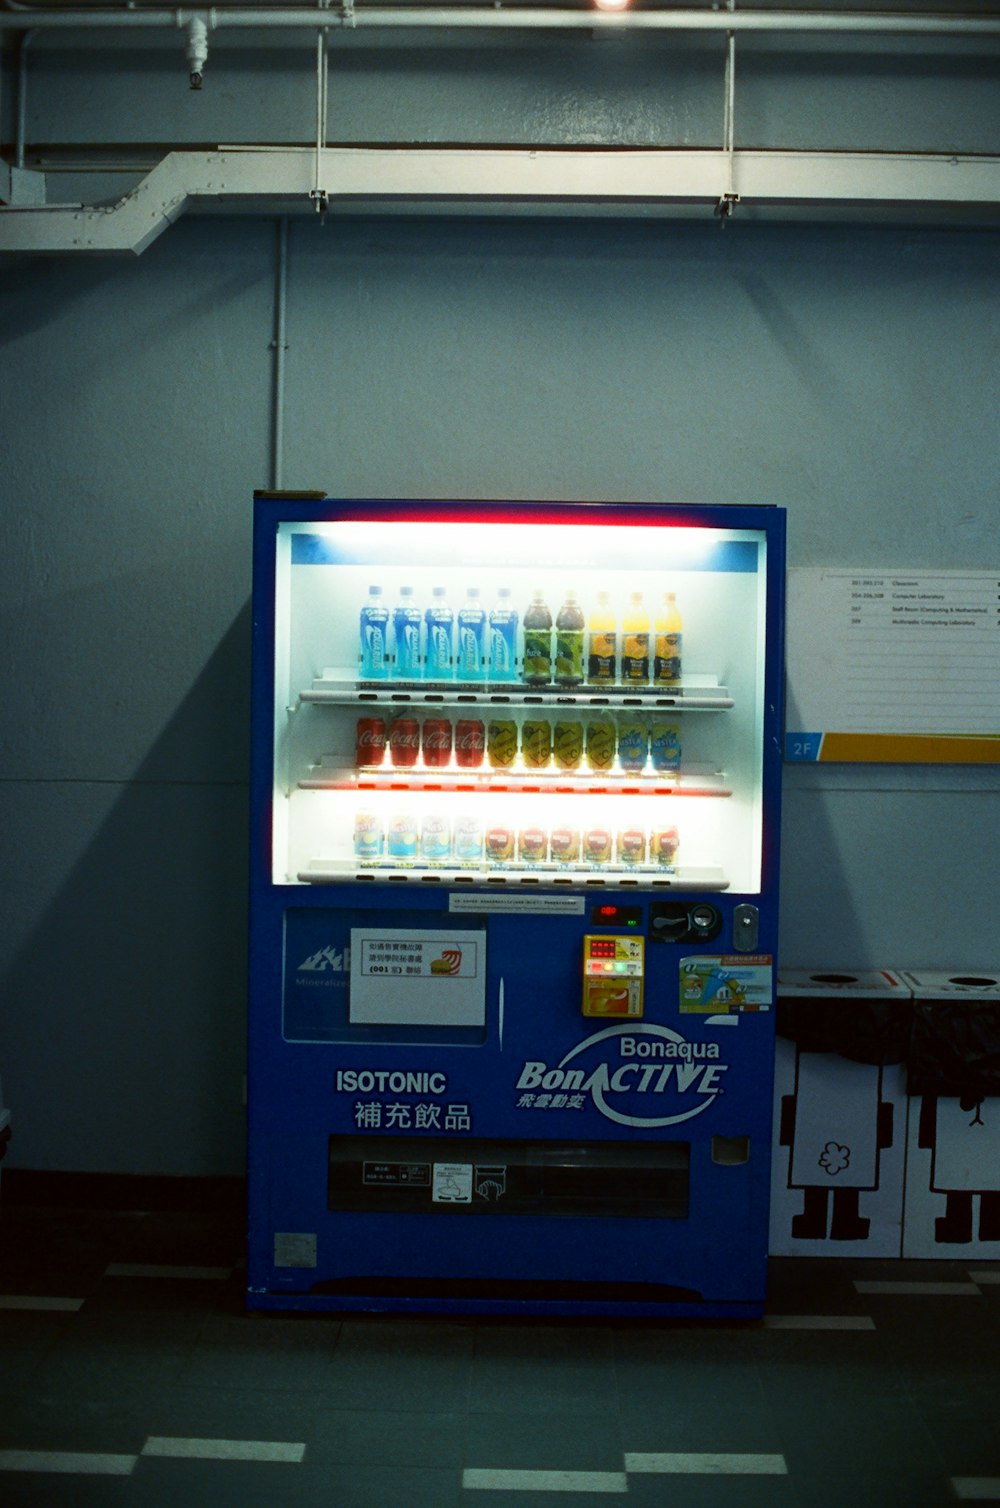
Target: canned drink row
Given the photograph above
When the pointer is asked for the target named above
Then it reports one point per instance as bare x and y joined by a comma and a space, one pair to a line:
536, 743
468, 840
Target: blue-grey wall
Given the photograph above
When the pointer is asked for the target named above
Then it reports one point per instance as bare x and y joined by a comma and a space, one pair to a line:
848, 374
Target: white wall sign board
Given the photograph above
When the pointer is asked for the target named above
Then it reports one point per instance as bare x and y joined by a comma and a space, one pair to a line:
893, 666
402, 977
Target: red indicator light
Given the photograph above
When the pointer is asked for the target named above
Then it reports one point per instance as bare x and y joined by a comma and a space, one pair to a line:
607, 910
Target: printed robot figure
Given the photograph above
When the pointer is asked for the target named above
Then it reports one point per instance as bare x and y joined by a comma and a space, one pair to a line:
963, 1137
835, 1125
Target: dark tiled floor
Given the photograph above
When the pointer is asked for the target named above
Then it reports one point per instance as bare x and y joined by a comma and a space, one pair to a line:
393, 1413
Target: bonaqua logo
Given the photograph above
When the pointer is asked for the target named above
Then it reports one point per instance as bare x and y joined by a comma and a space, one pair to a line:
658, 1077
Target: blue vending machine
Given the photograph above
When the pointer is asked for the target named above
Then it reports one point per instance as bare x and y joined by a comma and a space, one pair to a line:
514, 902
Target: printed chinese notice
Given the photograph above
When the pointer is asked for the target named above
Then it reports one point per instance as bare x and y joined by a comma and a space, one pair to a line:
417, 978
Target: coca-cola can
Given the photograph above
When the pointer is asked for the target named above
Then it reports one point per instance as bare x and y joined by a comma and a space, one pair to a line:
436, 741
370, 744
470, 742
404, 742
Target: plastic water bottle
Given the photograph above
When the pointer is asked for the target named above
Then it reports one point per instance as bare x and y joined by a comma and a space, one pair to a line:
471, 638
440, 625
406, 620
503, 638
669, 643
374, 637
569, 642
536, 668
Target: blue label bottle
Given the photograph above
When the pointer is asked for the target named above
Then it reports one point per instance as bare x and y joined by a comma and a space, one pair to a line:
440, 626
472, 638
503, 638
406, 619
374, 637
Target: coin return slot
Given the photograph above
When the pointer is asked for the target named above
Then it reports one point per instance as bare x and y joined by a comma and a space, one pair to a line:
730, 1151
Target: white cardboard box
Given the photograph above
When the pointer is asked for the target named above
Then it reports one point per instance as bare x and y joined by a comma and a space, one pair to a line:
952, 1197
840, 1133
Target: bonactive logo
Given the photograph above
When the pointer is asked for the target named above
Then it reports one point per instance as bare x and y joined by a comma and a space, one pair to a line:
638, 1075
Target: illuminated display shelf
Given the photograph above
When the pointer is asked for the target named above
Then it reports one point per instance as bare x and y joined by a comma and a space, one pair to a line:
515, 876
693, 781
698, 693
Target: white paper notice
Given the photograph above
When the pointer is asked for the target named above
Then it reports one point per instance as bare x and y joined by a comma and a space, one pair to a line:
452, 1183
893, 666
403, 977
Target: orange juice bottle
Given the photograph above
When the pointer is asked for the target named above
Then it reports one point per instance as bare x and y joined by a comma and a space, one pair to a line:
635, 643
602, 643
669, 642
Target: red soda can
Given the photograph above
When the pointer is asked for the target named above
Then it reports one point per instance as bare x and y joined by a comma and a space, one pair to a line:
436, 741
470, 742
370, 744
404, 742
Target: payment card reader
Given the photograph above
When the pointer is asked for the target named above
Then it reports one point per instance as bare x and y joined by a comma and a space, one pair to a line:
612, 976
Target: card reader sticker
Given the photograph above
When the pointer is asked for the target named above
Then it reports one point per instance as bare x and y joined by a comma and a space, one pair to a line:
717, 984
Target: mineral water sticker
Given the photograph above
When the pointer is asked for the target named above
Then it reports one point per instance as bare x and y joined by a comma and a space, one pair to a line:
717, 984
452, 1183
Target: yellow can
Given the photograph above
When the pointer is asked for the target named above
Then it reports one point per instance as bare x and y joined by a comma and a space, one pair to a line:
536, 744
601, 743
567, 744
501, 743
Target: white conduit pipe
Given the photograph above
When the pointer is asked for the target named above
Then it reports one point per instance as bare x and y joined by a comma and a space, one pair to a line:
279, 345
17, 17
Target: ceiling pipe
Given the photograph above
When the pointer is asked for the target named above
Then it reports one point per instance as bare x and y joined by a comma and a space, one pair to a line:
17, 16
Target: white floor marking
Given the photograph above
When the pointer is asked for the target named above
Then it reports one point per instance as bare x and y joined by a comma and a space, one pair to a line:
987, 1489
989, 1277
36, 1301
818, 1322
713, 1464
77, 1463
223, 1450
149, 1270
916, 1288
497, 1479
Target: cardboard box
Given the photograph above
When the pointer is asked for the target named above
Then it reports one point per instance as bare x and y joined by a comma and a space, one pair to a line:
840, 1124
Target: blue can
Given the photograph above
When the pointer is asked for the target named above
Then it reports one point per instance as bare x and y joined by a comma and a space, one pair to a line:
368, 838
633, 746
435, 838
665, 747
467, 843
403, 837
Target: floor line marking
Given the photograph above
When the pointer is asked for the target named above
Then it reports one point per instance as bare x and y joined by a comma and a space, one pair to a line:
499, 1479
988, 1277
916, 1288
818, 1322
985, 1488
192, 1448
153, 1270
36, 1301
67, 1462
747, 1463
